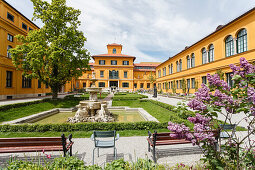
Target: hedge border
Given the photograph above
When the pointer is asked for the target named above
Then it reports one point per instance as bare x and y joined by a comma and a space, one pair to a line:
88, 126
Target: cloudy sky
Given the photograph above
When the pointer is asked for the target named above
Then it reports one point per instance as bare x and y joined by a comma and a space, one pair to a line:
151, 30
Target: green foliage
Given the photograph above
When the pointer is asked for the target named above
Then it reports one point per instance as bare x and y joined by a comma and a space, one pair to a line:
196, 85
184, 86
220, 73
129, 96
152, 78
174, 88
70, 163
88, 126
55, 53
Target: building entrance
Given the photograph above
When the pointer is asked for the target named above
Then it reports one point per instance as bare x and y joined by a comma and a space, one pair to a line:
114, 83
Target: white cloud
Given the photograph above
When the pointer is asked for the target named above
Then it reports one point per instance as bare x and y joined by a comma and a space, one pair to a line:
146, 27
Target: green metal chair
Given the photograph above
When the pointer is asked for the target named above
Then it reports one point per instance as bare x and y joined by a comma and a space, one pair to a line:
104, 139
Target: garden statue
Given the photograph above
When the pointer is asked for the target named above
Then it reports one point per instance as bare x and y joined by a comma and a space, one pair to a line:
155, 92
92, 110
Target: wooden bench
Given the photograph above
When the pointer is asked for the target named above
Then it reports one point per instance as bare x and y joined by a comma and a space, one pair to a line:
158, 139
36, 144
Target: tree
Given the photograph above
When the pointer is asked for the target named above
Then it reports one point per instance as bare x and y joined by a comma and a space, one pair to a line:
55, 53
152, 78
184, 86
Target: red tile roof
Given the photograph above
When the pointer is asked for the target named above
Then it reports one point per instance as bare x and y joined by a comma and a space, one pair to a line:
146, 64
144, 69
115, 44
112, 55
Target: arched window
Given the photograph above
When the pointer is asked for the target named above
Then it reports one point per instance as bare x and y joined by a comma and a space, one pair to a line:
192, 60
211, 53
188, 62
204, 57
171, 68
180, 64
114, 51
8, 53
229, 45
177, 66
241, 41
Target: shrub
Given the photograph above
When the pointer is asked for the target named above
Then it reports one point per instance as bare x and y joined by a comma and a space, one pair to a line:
88, 126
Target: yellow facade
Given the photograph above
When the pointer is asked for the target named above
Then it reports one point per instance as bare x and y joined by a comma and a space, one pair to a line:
13, 23
223, 52
115, 69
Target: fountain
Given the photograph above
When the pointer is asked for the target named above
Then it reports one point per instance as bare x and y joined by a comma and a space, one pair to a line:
92, 110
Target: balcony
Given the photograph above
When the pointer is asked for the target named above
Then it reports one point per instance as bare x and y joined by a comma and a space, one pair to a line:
114, 77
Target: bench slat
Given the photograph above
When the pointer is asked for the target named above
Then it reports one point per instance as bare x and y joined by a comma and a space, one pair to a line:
30, 143
30, 139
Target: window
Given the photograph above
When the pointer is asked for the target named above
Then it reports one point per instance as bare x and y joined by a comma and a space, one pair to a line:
101, 84
211, 53
169, 85
164, 71
229, 79
163, 85
180, 81
77, 85
188, 83
8, 78
39, 84
113, 74
193, 83
171, 68
141, 85
26, 82
125, 85
125, 63
204, 56
177, 66
113, 62
241, 41
177, 84
10, 37
172, 85
30, 29
84, 85
159, 73
192, 60
8, 53
114, 51
229, 45
148, 85
135, 85
24, 26
180, 65
101, 62
188, 62
204, 80
101, 73
10, 17
125, 74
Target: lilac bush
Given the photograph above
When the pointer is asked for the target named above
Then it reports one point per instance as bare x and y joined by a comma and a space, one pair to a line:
218, 99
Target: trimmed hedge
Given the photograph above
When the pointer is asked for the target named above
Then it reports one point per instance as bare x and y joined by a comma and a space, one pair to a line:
124, 97
164, 105
88, 126
17, 105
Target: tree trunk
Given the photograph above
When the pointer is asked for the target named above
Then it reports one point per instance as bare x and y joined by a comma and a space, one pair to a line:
54, 92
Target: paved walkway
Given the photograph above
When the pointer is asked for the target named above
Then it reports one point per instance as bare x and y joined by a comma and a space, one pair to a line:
13, 101
236, 119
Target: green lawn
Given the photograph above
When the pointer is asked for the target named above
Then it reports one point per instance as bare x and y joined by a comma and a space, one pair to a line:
162, 114
23, 111
103, 95
127, 96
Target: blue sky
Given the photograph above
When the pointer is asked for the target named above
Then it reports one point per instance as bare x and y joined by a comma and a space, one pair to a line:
151, 30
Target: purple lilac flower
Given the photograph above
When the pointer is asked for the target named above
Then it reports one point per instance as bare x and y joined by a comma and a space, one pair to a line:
214, 80
197, 105
251, 94
203, 93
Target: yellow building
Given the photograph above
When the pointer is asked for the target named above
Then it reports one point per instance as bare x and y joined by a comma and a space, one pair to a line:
117, 70
226, 45
12, 84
